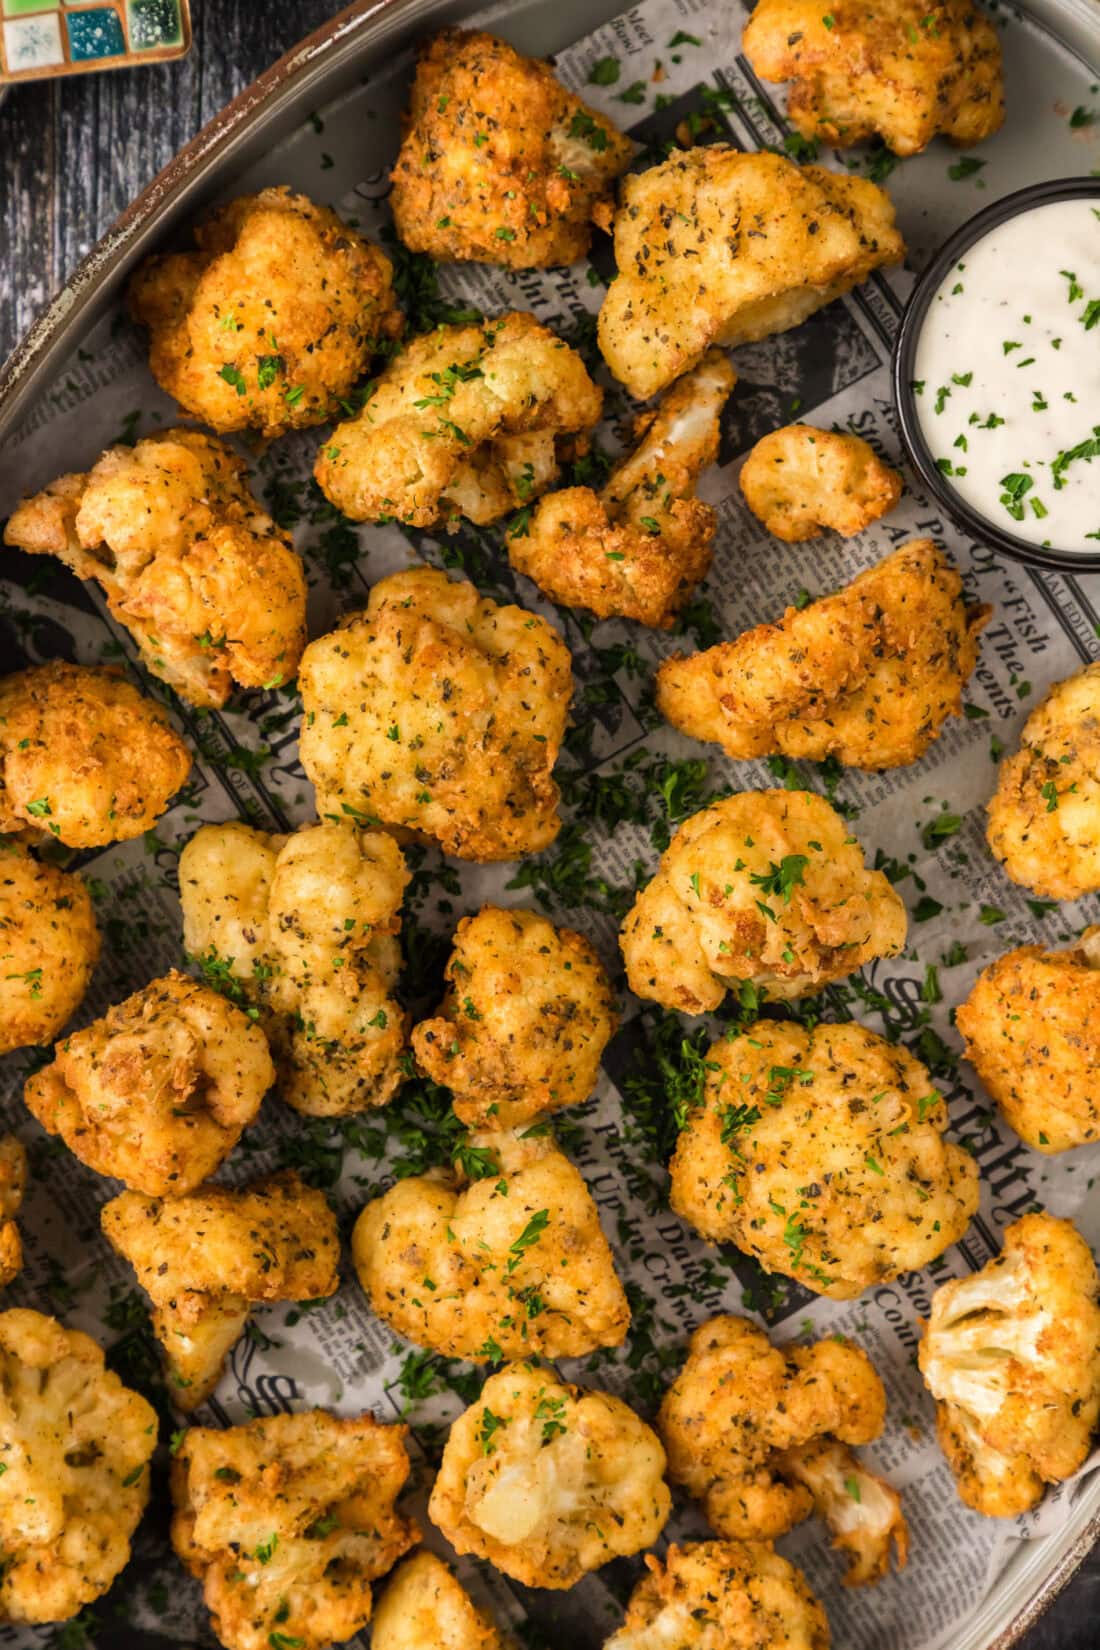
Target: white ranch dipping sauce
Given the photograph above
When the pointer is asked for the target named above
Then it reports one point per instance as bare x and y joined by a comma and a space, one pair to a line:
1007, 376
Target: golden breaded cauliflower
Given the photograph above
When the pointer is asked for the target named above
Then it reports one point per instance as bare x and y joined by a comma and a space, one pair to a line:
549, 1481
465, 422
269, 324
528, 1012
287, 1520
210, 589
74, 1444
437, 711
638, 548
516, 1260
1044, 818
800, 479
718, 246
1012, 1357
822, 1153
897, 69
425, 1607
1032, 1029
49, 946
499, 162
13, 1179
760, 1435
204, 1259
722, 1595
84, 755
157, 1092
304, 928
868, 674
764, 886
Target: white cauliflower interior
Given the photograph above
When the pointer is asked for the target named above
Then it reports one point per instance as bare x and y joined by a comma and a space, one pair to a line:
287, 1521
74, 1447
304, 928
549, 1481
1012, 1357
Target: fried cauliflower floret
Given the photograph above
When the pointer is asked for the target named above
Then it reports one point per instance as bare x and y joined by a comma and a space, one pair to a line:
822, 1153
425, 1607
207, 585
204, 1259
437, 711
760, 1434
304, 928
722, 1595
287, 1521
84, 755
764, 886
527, 1014
49, 946
867, 675
1044, 818
549, 1481
158, 1091
895, 69
518, 1263
500, 164
13, 1179
464, 422
718, 246
800, 479
638, 548
1012, 1357
1032, 1029
74, 1443
268, 324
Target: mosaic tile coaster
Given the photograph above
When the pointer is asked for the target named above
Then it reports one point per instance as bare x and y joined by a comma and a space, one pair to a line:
43, 38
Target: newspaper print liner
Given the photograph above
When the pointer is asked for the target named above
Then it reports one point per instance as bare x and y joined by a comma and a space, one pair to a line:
967, 1578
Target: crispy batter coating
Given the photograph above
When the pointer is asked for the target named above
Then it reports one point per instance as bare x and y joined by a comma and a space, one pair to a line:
897, 69
158, 1091
722, 1595
49, 946
426, 1607
13, 1180
868, 674
287, 1520
517, 1260
1044, 818
500, 164
1012, 1357
638, 548
527, 1014
464, 422
268, 324
767, 887
205, 1258
549, 1481
74, 1443
822, 1153
304, 928
84, 755
1032, 1029
437, 711
210, 589
759, 1434
718, 246
800, 479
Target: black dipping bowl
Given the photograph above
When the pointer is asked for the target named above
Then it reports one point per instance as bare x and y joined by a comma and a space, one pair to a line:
905, 349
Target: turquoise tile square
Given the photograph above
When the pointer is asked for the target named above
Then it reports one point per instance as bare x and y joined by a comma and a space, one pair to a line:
154, 24
95, 33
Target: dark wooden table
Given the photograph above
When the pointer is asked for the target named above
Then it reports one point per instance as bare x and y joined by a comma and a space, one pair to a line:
74, 152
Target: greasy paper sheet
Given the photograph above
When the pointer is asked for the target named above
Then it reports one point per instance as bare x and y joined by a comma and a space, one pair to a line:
832, 370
